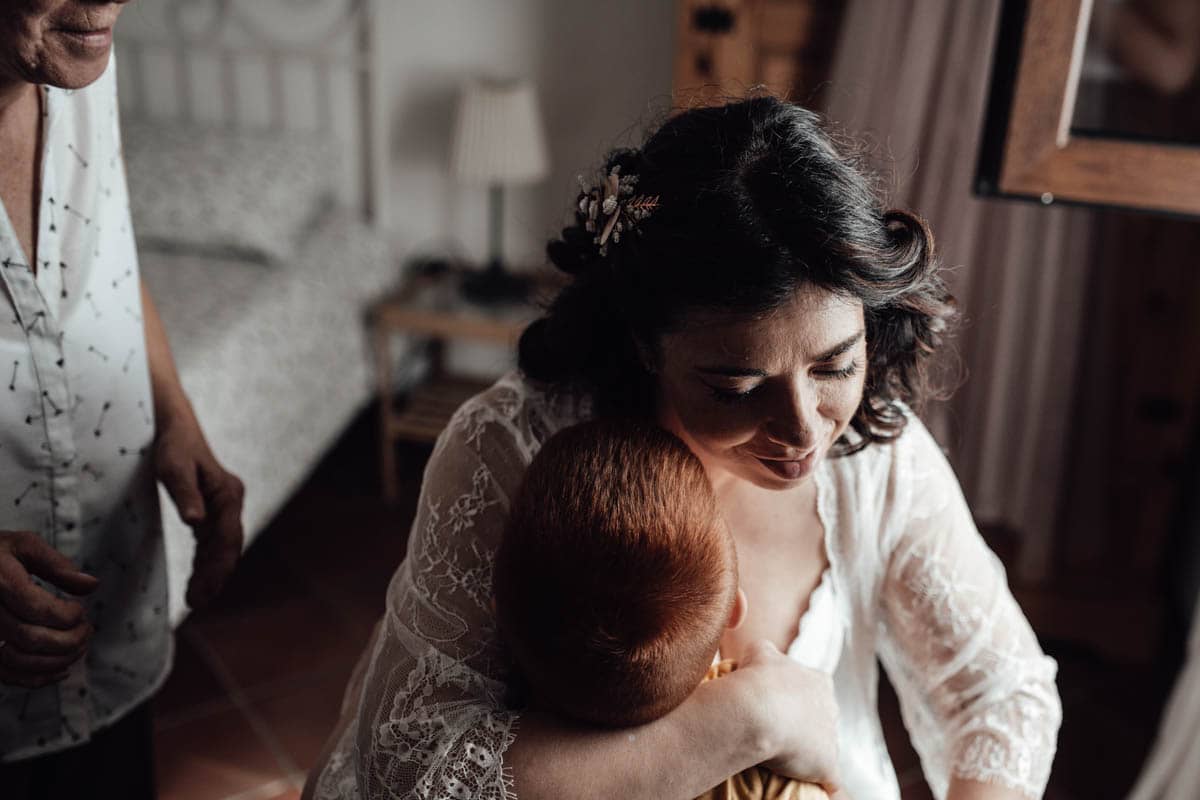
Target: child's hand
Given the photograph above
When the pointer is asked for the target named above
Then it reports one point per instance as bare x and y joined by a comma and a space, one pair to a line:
797, 714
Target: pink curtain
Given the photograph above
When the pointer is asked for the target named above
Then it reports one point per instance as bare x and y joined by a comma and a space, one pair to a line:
911, 76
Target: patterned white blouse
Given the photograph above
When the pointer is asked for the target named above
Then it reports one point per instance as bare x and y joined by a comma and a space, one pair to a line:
76, 423
913, 583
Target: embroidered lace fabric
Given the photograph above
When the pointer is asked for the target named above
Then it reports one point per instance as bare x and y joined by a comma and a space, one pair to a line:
426, 714
979, 696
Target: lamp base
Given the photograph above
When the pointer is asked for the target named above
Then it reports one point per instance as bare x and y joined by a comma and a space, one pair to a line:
495, 286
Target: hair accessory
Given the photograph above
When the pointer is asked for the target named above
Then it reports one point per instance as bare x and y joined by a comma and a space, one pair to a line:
612, 208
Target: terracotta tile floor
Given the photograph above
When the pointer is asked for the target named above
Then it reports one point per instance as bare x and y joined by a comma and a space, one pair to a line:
258, 679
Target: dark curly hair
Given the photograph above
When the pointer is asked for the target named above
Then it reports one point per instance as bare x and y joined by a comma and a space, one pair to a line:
756, 200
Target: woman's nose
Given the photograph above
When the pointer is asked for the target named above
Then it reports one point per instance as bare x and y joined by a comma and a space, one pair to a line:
793, 419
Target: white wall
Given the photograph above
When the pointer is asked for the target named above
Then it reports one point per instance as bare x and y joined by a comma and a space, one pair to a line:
603, 71
598, 67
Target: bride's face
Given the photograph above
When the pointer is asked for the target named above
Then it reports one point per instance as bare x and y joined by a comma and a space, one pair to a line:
764, 398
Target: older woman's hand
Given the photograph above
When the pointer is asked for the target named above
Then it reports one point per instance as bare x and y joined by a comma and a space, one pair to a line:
796, 713
209, 499
41, 635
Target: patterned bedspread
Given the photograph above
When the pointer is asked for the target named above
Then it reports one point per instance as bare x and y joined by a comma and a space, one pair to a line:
275, 359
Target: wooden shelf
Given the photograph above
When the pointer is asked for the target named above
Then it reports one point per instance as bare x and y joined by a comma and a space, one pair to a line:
430, 307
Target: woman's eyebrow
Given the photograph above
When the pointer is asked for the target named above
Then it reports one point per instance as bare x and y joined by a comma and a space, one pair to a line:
841, 347
733, 372
747, 372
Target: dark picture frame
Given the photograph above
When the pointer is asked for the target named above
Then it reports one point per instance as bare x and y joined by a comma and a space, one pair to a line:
1029, 149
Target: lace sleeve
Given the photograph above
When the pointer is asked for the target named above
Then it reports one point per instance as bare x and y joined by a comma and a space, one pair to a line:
431, 720
978, 694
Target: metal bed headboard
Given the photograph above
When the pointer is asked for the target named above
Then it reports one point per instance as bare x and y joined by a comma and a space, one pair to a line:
265, 65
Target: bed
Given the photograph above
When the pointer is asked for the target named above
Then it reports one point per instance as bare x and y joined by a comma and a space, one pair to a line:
258, 212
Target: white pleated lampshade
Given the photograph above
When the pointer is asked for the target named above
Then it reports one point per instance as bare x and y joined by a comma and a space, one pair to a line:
498, 136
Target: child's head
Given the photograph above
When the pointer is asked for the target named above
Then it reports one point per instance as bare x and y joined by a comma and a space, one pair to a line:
616, 575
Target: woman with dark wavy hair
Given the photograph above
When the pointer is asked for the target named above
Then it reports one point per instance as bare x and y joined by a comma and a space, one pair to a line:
738, 281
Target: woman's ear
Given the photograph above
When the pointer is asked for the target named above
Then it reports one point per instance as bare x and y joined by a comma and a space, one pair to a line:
738, 614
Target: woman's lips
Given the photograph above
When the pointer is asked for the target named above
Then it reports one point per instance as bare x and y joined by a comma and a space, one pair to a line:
792, 468
88, 38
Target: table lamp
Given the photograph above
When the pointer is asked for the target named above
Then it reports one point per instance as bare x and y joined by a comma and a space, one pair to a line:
498, 142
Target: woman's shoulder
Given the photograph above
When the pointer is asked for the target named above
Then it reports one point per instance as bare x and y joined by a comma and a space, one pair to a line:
515, 412
914, 447
876, 488
478, 462
916, 458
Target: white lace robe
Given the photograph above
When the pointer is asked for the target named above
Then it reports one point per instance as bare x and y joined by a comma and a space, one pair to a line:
425, 715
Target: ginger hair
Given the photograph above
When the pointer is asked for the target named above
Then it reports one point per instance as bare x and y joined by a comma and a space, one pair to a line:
616, 574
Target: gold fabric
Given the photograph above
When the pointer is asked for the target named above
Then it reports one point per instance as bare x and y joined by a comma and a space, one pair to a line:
758, 783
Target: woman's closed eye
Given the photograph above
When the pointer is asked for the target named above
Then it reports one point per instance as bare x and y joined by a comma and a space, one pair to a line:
730, 394
838, 373
738, 393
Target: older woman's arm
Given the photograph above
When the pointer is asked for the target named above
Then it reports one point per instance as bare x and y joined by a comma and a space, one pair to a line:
433, 717
978, 692
208, 497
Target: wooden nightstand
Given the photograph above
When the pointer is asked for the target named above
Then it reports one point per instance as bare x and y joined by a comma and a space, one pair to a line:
430, 306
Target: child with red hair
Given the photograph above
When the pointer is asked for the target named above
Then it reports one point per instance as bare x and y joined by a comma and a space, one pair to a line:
615, 580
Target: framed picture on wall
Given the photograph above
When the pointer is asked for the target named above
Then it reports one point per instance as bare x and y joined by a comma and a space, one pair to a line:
1096, 101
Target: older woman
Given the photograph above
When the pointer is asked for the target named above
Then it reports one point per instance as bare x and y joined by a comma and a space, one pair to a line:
738, 281
92, 412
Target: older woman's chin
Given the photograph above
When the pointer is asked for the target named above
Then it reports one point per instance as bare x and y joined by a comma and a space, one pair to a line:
72, 60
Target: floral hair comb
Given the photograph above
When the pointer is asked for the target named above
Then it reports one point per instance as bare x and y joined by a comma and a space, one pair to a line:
612, 208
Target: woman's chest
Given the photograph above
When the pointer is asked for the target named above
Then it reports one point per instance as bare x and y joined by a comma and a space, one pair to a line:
781, 557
